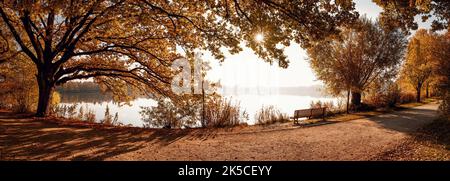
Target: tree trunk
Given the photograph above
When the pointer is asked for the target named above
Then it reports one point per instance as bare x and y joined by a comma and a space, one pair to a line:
348, 99
356, 99
45, 94
419, 87
427, 94
203, 103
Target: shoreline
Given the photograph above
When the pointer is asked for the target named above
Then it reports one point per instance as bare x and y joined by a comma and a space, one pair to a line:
360, 139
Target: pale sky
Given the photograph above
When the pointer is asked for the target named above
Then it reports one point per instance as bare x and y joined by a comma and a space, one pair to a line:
247, 70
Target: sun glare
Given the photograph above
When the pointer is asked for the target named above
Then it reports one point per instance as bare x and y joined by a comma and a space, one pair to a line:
259, 37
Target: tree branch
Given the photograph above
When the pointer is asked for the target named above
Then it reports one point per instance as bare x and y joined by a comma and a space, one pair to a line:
18, 39
27, 24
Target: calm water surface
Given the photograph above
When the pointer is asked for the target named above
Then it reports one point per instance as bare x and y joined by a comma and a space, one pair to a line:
129, 114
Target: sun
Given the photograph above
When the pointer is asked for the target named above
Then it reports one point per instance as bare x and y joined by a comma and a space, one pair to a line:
259, 37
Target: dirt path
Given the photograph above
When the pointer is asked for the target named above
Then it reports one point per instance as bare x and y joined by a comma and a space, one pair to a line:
359, 139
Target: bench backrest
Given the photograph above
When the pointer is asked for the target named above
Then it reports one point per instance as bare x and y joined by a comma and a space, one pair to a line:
317, 111
309, 112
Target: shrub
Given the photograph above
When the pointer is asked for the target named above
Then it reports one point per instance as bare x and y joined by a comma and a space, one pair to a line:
341, 107
90, 116
71, 111
19, 89
444, 107
66, 111
270, 115
108, 117
317, 104
168, 114
407, 98
376, 100
190, 111
393, 95
384, 96
220, 112
331, 108
80, 113
116, 119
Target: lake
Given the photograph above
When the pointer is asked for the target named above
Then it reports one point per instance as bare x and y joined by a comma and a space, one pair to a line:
250, 102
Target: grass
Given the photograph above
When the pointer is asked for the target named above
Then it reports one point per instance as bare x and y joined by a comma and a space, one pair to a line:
353, 116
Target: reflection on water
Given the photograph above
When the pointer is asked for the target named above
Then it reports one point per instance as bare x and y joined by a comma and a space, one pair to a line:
129, 114
89, 97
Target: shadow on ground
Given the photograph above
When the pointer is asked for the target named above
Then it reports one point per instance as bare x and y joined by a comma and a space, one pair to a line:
29, 139
403, 120
406, 121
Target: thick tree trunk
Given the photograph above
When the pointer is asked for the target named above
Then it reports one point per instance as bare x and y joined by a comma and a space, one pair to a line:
356, 99
45, 94
427, 92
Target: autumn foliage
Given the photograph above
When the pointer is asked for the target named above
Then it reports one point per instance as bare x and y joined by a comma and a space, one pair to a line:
358, 57
128, 46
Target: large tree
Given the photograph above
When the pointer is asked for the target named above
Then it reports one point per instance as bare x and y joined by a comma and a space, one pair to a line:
418, 66
441, 53
126, 44
358, 56
427, 60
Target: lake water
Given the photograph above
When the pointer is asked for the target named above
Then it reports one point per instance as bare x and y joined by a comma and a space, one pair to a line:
129, 114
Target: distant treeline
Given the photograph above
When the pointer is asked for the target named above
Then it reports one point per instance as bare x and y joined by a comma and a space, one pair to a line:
75, 92
90, 97
79, 87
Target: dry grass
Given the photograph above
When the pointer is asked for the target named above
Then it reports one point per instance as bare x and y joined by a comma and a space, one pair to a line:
223, 113
358, 115
270, 115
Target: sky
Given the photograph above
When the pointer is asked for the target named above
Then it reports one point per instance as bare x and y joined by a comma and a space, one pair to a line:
247, 70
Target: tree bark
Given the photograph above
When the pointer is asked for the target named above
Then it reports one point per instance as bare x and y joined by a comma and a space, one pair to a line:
356, 99
427, 93
45, 94
348, 100
418, 89
203, 103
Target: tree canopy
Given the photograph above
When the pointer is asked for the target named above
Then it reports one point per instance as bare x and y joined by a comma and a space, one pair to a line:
357, 57
402, 13
442, 53
418, 66
123, 43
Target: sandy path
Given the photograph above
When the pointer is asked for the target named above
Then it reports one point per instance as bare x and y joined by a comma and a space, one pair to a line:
359, 139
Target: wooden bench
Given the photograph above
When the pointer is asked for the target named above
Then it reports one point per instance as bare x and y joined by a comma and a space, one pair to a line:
309, 113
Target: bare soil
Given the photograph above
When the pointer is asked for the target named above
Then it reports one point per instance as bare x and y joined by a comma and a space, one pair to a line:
361, 139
